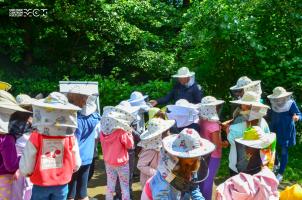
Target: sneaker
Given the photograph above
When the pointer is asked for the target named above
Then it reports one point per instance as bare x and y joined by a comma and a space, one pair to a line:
279, 177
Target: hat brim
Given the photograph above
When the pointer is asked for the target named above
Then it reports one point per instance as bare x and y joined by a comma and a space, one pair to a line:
146, 135
5, 86
68, 106
118, 109
184, 75
130, 110
14, 107
215, 103
120, 123
252, 103
206, 148
177, 107
138, 100
286, 94
262, 143
235, 87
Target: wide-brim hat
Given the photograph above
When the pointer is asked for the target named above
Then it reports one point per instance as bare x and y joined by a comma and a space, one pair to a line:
156, 126
9, 105
118, 113
183, 72
244, 82
82, 90
187, 144
125, 105
56, 100
256, 138
210, 101
182, 103
279, 92
24, 100
108, 124
250, 98
137, 97
6, 95
4, 86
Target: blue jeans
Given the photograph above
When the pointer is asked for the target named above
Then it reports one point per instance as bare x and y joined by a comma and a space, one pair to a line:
284, 159
49, 192
78, 184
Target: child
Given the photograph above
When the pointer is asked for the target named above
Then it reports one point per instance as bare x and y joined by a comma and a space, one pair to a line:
116, 138
185, 114
51, 155
86, 132
151, 144
21, 127
179, 163
283, 115
9, 161
251, 113
210, 130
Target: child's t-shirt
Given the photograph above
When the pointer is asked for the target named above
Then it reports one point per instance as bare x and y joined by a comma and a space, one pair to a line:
207, 128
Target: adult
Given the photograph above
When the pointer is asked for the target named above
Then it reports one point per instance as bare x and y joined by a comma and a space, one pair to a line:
185, 88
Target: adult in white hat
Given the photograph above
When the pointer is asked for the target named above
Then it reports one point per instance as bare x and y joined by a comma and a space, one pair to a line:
251, 113
9, 161
185, 114
151, 143
178, 167
87, 133
185, 88
52, 150
284, 114
255, 150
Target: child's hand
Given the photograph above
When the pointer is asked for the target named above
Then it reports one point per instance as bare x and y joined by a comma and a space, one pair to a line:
16, 175
295, 118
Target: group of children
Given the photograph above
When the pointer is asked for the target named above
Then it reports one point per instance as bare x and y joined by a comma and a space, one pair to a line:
47, 146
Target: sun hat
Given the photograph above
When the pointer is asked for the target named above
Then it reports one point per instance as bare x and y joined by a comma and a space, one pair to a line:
256, 138
183, 72
55, 100
6, 104
156, 126
4, 86
279, 92
244, 82
6, 95
183, 112
187, 144
118, 113
81, 90
125, 105
250, 98
24, 100
208, 108
137, 98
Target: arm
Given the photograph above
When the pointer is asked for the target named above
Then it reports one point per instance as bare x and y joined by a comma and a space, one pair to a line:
28, 159
216, 138
164, 100
9, 155
127, 140
143, 164
295, 112
196, 194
